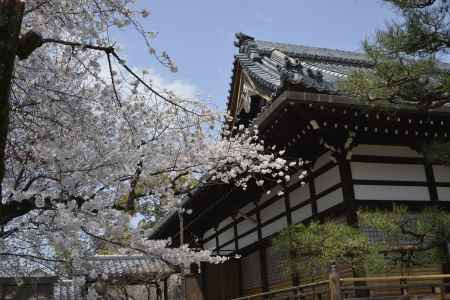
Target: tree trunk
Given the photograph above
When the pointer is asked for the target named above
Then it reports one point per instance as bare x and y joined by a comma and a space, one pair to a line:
11, 13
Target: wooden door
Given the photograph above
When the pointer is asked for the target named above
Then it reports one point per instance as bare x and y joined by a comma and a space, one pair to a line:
221, 281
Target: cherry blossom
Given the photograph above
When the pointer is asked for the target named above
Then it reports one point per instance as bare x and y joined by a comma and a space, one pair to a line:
91, 143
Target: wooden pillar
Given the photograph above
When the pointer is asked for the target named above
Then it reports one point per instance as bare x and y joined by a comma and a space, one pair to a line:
292, 255
312, 195
351, 215
335, 284
348, 191
431, 181
241, 278
236, 247
11, 13
446, 264
262, 253
166, 289
193, 289
181, 225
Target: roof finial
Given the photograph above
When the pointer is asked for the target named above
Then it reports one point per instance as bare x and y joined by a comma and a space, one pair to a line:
242, 39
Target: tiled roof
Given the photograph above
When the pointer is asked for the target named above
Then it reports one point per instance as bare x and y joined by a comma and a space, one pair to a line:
315, 53
272, 65
136, 268
18, 267
117, 266
113, 266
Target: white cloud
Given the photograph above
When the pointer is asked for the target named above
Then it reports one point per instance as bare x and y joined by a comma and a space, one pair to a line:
181, 88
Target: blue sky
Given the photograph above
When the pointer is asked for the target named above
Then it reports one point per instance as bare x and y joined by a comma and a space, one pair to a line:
199, 34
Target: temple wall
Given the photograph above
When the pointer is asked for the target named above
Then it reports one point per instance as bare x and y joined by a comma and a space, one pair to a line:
385, 150
379, 173
391, 193
396, 173
251, 267
376, 173
386, 171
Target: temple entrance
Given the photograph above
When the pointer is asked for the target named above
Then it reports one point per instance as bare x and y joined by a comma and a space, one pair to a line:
221, 281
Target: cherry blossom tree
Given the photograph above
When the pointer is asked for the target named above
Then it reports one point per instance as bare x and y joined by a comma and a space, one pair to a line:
91, 141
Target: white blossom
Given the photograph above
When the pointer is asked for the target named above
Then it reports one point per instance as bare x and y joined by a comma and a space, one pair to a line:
77, 143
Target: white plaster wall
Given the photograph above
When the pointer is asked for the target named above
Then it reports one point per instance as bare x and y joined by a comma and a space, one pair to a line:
246, 225
322, 161
330, 200
248, 239
383, 150
301, 213
273, 192
210, 245
272, 210
274, 227
228, 248
295, 178
382, 171
441, 173
299, 195
226, 236
327, 179
247, 208
208, 233
391, 193
444, 193
225, 222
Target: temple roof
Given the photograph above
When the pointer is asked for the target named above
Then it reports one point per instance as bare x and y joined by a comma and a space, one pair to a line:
301, 81
118, 266
18, 267
273, 65
107, 266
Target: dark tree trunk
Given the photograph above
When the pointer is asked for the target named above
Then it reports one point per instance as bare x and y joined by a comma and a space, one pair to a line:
11, 13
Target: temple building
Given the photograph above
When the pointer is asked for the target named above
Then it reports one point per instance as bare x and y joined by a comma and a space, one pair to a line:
135, 277
358, 157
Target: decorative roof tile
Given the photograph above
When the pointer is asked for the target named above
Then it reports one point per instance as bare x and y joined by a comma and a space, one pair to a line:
273, 65
313, 68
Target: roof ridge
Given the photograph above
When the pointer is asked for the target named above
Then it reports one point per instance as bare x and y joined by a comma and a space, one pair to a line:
323, 53
312, 47
316, 53
119, 256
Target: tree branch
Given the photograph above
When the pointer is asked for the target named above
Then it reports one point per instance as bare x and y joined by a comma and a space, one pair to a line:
172, 266
112, 79
109, 50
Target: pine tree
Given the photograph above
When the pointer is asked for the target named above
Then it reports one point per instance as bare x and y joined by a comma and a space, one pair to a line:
407, 58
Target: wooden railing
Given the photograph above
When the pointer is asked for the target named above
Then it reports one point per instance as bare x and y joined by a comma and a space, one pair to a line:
394, 287
317, 290
419, 287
